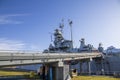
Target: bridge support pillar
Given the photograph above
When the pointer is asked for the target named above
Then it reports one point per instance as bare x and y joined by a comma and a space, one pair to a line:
81, 67
45, 72
89, 66
60, 72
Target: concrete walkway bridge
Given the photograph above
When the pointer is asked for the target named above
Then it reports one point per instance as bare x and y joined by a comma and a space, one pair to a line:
9, 58
54, 60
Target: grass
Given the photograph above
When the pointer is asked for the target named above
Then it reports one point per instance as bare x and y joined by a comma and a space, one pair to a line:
18, 73
13, 73
94, 78
26, 75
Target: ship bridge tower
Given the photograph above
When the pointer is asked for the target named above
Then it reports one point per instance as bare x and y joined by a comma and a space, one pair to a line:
82, 45
58, 38
60, 43
100, 48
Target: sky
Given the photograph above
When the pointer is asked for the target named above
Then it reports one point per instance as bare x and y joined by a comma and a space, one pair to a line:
28, 24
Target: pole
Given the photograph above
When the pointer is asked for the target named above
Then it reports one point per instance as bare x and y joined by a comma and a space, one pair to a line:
70, 23
71, 34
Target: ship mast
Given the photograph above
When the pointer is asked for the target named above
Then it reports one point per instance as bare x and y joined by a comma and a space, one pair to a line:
61, 26
70, 23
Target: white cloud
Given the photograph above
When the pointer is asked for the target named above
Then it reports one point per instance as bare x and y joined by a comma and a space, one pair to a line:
11, 15
7, 19
6, 44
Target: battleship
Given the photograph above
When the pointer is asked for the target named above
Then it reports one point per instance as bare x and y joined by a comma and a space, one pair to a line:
107, 65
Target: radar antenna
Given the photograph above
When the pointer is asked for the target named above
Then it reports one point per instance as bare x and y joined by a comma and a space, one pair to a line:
51, 36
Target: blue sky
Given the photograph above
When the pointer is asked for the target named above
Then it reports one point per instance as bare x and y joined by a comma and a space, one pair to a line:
26, 24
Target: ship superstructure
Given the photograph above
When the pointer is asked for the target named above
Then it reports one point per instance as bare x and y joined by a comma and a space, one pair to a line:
60, 44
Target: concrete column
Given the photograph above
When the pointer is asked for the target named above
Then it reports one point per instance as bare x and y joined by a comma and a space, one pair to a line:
53, 73
66, 72
81, 67
50, 73
43, 74
46, 74
60, 72
102, 67
89, 66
